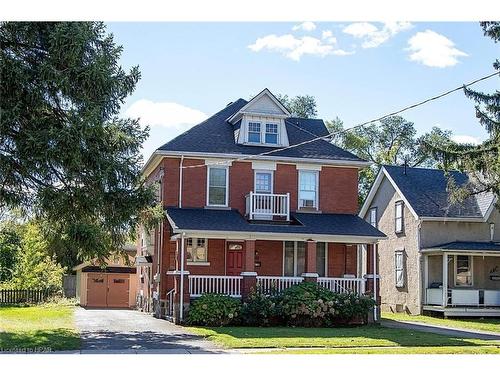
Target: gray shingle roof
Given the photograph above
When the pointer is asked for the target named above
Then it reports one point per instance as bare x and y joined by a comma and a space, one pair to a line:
232, 221
216, 135
427, 193
469, 246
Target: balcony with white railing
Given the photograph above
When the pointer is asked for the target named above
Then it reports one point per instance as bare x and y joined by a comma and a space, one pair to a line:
264, 206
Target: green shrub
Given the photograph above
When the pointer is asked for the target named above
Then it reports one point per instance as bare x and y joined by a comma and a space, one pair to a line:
214, 310
261, 310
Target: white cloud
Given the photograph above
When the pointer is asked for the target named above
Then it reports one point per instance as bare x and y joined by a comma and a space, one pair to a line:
294, 48
164, 114
467, 139
328, 37
373, 36
306, 26
433, 49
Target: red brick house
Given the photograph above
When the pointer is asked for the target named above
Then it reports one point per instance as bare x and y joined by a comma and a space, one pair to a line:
252, 199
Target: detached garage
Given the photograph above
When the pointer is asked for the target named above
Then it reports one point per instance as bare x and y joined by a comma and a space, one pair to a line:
112, 286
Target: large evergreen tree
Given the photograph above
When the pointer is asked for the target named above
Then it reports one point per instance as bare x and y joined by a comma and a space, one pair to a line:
65, 155
481, 162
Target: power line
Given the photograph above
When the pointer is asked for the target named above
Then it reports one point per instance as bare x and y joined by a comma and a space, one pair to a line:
330, 134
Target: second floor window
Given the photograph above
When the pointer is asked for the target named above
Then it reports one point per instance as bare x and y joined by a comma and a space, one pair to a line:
271, 134
398, 218
254, 132
217, 186
373, 217
308, 189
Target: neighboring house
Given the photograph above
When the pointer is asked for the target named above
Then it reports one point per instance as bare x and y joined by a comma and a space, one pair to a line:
111, 285
428, 237
238, 219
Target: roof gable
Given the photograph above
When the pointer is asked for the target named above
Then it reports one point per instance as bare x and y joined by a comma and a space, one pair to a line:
264, 103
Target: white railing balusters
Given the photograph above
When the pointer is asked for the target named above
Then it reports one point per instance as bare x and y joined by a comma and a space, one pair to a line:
266, 283
267, 205
343, 285
199, 284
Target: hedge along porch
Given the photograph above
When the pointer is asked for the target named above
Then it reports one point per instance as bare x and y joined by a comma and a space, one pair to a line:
205, 257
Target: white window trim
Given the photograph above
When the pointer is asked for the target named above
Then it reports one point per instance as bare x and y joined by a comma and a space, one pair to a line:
373, 209
263, 171
265, 132
396, 269
399, 202
194, 240
295, 258
248, 132
316, 207
471, 266
208, 186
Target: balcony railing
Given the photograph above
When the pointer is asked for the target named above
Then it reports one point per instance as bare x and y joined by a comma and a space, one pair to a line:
229, 285
263, 206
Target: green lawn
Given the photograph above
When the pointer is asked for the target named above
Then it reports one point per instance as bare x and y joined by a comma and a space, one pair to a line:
398, 350
486, 324
43, 327
366, 339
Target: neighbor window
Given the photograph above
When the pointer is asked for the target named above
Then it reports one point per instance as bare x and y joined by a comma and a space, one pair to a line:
271, 133
308, 189
398, 218
196, 250
373, 217
463, 270
295, 258
399, 267
254, 132
217, 186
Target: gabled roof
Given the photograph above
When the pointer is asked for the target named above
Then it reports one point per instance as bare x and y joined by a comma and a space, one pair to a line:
230, 221
425, 192
275, 108
215, 135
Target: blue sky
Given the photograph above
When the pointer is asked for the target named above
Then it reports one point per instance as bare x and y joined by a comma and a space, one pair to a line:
356, 71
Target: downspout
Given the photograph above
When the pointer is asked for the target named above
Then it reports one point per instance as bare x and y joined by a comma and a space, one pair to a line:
160, 250
421, 279
180, 180
181, 300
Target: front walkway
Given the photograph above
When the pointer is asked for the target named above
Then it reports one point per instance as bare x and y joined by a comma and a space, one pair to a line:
129, 331
441, 330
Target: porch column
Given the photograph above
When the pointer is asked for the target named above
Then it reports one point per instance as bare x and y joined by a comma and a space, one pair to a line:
249, 281
426, 277
181, 282
445, 280
311, 273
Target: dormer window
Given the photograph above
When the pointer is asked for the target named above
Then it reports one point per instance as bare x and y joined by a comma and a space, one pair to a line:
271, 134
254, 132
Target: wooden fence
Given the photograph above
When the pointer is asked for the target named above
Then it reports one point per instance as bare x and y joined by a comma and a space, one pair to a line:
15, 296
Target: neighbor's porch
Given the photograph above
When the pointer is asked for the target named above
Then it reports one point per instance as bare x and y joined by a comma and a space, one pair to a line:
462, 283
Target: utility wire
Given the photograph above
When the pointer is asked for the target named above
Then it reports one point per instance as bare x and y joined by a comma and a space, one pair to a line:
330, 134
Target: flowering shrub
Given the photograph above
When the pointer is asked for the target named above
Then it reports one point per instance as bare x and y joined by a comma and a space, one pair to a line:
214, 310
260, 309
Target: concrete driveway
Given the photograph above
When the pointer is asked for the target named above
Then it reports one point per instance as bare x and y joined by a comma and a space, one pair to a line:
130, 331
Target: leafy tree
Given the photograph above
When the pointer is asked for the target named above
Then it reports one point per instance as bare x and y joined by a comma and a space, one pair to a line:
65, 155
303, 106
35, 268
481, 162
10, 245
392, 141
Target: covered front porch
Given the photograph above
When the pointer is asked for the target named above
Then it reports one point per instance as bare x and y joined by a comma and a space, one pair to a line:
462, 279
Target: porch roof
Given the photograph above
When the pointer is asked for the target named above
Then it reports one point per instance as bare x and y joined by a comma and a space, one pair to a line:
315, 226
466, 246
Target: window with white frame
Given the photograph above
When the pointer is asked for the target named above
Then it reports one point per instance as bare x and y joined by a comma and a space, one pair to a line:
217, 186
308, 189
373, 217
196, 250
271, 135
399, 217
399, 263
254, 132
295, 258
463, 270
263, 182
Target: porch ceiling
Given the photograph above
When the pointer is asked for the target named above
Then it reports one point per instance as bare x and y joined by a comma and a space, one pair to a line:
229, 223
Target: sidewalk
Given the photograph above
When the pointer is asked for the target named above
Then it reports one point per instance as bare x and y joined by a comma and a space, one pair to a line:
442, 330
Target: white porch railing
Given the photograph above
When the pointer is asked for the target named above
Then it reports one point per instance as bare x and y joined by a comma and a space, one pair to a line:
277, 283
343, 285
265, 206
199, 284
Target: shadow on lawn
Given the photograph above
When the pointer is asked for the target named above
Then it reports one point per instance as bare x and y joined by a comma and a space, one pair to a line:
371, 335
40, 340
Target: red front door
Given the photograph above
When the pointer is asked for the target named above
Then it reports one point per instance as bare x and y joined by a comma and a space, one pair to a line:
234, 259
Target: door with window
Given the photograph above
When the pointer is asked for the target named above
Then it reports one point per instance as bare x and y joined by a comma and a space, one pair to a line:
234, 259
263, 199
